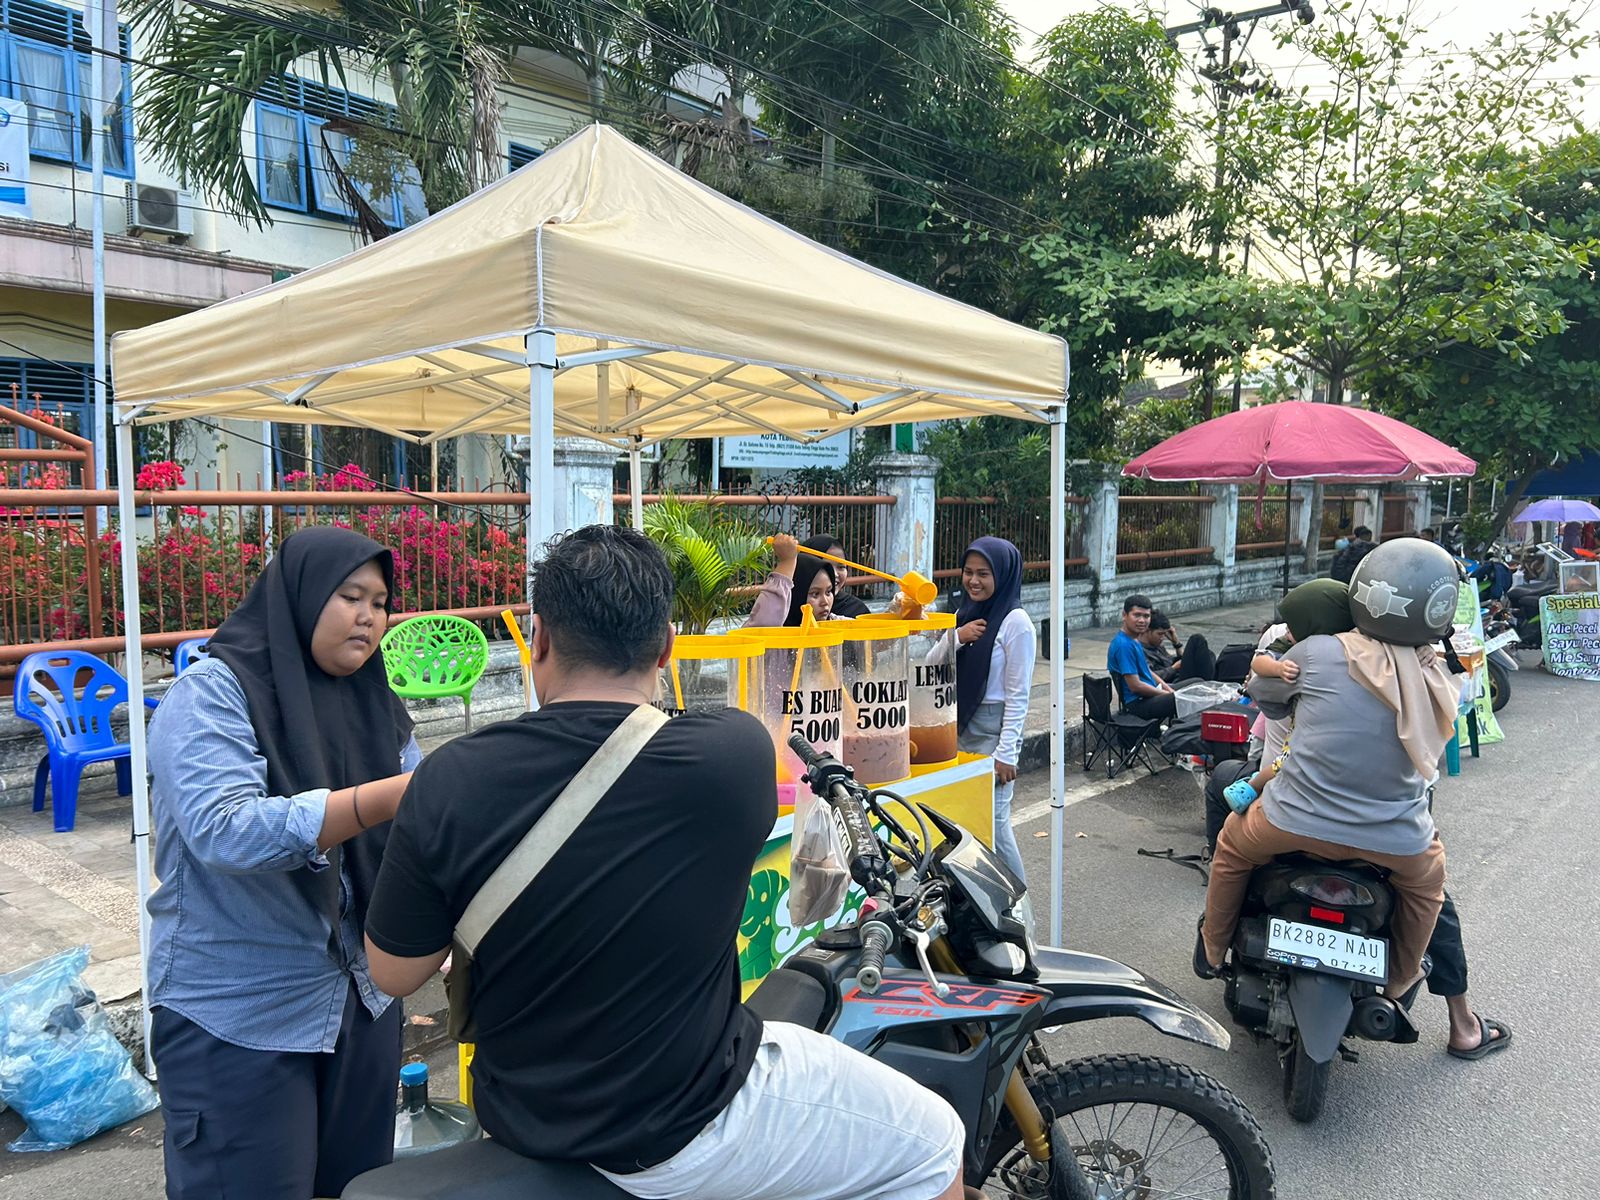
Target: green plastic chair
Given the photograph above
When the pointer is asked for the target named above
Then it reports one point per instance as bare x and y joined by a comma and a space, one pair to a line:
428, 658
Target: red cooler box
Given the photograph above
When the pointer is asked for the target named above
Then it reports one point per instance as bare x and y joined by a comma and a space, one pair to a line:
1226, 730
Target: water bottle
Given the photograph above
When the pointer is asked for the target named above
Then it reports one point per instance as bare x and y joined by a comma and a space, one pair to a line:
422, 1126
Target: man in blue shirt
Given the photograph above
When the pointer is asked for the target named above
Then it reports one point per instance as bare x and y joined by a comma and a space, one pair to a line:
1142, 693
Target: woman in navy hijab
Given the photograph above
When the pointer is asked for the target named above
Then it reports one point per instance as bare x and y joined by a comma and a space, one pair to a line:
994, 673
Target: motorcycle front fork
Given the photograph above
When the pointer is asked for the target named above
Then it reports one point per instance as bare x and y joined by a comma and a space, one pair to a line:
1020, 1103
1024, 1109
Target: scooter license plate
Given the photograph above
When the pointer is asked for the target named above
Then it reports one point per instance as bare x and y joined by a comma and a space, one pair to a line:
1500, 641
1329, 951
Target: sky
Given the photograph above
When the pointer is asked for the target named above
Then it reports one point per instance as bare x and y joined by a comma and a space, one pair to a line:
1447, 22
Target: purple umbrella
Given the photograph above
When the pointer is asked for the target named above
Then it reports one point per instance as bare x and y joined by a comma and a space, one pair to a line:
1558, 510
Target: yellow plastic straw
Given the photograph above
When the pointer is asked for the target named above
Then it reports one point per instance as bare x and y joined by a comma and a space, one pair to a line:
524, 653
677, 686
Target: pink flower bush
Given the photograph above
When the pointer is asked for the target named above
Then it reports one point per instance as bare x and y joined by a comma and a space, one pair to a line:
159, 477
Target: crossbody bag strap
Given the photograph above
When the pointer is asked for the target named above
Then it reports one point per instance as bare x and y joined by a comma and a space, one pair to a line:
551, 831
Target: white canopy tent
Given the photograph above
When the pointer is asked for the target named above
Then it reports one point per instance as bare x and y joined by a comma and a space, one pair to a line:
601, 293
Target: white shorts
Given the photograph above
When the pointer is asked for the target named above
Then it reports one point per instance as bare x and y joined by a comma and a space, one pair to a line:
814, 1120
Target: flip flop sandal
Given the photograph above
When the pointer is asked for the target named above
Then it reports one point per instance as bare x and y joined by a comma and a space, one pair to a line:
1202, 965
1496, 1036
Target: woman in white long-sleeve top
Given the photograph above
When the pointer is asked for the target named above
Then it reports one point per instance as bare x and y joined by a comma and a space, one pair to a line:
994, 673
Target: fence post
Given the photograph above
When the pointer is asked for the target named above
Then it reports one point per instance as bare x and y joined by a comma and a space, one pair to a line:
1100, 542
1311, 521
1224, 534
1300, 501
1419, 497
584, 483
1369, 510
905, 530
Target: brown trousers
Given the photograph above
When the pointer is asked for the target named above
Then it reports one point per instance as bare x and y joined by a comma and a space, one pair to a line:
1249, 840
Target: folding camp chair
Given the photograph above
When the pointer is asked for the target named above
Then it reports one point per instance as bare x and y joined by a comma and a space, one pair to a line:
1123, 738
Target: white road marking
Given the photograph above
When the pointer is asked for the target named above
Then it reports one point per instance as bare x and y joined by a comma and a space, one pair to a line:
1073, 795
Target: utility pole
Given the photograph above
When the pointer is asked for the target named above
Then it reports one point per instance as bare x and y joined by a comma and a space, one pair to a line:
1226, 80
1238, 357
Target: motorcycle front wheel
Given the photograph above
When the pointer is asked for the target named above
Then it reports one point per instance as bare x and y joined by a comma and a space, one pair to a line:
1141, 1128
1499, 686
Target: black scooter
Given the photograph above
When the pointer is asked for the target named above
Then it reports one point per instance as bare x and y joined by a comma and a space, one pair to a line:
1307, 968
941, 980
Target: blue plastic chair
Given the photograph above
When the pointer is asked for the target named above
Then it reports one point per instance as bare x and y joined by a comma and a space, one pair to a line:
76, 720
183, 658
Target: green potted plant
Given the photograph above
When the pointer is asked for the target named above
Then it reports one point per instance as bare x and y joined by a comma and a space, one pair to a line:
710, 549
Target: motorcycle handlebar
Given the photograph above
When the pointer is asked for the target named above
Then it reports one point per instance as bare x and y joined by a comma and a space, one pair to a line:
808, 754
876, 938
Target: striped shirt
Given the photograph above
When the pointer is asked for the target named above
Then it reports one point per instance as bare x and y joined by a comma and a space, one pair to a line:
236, 946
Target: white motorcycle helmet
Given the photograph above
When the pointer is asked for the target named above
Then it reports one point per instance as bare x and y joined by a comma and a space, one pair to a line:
1405, 592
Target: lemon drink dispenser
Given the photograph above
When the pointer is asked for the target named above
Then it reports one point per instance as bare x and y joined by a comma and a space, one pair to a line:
931, 649
877, 712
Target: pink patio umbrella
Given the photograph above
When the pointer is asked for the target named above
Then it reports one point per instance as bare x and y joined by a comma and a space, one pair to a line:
1281, 443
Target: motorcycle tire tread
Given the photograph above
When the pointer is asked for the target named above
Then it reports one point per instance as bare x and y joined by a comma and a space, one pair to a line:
1066, 1087
1305, 1084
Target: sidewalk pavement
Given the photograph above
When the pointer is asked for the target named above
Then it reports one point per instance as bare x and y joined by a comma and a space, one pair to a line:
62, 889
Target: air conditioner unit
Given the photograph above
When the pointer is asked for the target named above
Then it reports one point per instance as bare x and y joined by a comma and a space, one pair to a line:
162, 210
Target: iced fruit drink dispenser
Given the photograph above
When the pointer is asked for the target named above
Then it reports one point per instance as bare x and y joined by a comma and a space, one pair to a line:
798, 687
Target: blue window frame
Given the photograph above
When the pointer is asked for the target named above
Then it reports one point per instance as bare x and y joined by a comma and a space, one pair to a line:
295, 156
45, 60
518, 155
64, 393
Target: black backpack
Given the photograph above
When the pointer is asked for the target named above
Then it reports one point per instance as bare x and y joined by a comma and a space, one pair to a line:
1233, 664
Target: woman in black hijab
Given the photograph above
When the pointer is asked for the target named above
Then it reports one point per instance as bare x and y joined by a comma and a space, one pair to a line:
277, 762
845, 604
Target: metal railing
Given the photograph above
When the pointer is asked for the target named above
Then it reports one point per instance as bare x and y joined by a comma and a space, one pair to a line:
1163, 531
1260, 531
961, 520
199, 551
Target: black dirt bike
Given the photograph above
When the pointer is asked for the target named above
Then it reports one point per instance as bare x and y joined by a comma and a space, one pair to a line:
940, 979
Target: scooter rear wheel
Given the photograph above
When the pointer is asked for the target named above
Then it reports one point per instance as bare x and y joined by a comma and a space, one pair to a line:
1305, 1083
1139, 1126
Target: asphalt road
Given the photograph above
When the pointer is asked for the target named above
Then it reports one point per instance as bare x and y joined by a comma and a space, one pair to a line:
1406, 1121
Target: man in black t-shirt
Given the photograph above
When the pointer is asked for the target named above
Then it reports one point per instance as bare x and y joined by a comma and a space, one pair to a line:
607, 997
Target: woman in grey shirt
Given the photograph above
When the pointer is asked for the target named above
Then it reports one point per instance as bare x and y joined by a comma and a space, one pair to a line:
1367, 735
277, 762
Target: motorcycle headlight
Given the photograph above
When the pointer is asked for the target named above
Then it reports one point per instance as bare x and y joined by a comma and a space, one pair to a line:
1002, 958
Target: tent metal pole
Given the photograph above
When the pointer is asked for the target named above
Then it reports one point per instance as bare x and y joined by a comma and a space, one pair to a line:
635, 470
134, 668
540, 348
1058, 668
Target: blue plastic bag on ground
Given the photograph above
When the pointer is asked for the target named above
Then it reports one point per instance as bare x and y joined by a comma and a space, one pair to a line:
61, 1067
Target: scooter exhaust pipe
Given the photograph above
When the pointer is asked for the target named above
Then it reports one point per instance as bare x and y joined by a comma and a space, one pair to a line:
1376, 1018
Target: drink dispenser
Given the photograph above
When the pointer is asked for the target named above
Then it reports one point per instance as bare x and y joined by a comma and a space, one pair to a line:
877, 712
931, 648
798, 687
708, 673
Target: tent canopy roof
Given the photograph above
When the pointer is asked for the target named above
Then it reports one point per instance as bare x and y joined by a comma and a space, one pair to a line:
711, 319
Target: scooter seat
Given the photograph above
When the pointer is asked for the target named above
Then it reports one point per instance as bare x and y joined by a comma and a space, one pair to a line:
482, 1170
790, 996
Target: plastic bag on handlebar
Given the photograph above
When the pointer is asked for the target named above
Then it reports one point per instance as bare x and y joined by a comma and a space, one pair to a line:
819, 875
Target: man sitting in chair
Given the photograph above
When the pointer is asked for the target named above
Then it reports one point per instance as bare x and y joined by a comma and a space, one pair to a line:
1143, 695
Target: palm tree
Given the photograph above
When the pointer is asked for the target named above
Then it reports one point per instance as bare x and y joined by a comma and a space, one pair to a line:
442, 59
709, 550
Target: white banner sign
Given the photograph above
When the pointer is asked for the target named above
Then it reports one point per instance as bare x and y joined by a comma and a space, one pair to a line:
14, 159
1572, 634
775, 450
